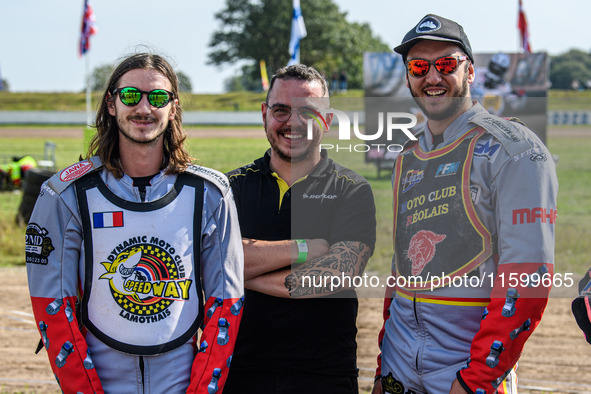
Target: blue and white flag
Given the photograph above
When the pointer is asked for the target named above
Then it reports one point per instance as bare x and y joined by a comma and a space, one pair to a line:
298, 31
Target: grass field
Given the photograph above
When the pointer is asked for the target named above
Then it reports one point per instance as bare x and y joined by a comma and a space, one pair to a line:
235, 101
573, 228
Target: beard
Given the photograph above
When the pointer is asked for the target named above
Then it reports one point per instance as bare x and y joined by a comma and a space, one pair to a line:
289, 155
146, 139
449, 107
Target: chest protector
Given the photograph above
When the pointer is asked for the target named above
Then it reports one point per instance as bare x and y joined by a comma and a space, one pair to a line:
142, 285
437, 233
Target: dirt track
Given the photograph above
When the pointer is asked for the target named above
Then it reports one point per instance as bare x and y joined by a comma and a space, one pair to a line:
555, 359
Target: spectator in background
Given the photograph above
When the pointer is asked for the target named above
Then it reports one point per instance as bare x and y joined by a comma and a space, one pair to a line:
343, 82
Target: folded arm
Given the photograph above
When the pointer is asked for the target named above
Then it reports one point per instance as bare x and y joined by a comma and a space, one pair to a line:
262, 257
320, 276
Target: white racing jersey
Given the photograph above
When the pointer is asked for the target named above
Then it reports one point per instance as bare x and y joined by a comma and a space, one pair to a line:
141, 293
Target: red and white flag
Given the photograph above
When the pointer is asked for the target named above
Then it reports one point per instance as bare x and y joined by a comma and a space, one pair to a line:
88, 28
522, 25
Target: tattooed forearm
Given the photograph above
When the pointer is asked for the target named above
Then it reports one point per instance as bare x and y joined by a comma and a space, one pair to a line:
325, 274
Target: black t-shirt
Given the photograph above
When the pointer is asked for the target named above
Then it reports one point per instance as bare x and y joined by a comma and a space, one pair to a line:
313, 335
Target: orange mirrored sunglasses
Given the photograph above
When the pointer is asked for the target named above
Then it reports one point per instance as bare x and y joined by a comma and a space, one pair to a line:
445, 65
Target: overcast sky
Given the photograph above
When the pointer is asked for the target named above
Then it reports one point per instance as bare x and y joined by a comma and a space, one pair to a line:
39, 45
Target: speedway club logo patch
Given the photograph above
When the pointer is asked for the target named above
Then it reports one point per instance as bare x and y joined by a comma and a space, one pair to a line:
145, 279
38, 245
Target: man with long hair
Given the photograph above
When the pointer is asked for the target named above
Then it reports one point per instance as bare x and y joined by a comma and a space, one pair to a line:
133, 249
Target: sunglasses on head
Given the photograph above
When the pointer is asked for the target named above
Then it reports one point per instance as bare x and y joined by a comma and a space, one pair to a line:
132, 96
445, 65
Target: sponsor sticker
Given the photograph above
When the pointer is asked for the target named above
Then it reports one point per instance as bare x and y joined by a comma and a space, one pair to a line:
527, 215
75, 171
428, 24
486, 150
38, 245
411, 178
319, 196
538, 157
447, 169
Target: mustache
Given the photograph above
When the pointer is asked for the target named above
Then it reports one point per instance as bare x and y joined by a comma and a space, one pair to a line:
434, 86
142, 118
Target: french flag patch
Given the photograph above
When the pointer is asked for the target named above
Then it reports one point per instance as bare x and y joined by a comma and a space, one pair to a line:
107, 219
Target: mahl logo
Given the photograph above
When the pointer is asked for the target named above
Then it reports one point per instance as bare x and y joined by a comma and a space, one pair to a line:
145, 280
428, 24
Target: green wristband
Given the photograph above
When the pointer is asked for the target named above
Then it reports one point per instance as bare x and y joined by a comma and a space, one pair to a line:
302, 250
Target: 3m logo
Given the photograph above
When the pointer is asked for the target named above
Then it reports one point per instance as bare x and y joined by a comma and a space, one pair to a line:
526, 215
484, 149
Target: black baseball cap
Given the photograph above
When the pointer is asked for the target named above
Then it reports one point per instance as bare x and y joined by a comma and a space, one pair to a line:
436, 28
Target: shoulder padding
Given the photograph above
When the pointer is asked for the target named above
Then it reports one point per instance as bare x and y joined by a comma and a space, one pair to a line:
211, 175
511, 137
60, 181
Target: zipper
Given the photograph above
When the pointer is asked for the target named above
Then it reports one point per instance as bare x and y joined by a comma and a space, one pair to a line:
414, 306
142, 372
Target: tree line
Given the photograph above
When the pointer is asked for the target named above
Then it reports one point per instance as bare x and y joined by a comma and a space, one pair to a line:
253, 30
569, 70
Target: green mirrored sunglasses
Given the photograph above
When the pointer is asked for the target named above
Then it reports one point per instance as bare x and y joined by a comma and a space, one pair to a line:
132, 96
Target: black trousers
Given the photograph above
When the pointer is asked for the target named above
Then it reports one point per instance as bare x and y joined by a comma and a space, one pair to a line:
240, 382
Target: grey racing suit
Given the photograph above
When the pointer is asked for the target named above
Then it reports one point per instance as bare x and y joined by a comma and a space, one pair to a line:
478, 236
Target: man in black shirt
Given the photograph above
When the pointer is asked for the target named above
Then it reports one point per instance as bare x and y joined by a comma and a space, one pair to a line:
308, 225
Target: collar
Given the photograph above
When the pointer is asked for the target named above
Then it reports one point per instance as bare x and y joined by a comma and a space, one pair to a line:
325, 165
458, 127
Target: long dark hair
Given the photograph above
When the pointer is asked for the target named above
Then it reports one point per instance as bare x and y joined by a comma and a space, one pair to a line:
105, 143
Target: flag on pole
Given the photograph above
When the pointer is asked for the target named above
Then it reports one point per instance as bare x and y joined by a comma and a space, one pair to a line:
88, 28
298, 31
264, 77
522, 25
